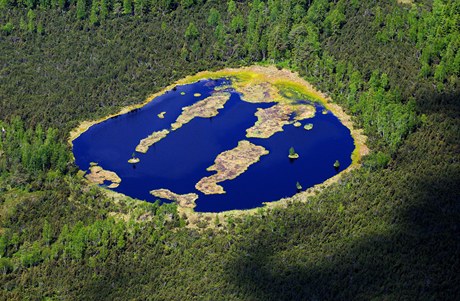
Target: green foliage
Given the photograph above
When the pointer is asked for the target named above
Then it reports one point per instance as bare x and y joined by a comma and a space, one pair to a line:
8, 28
6, 265
81, 9
93, 17
387, 229
127, 7
187, 3
298, 186
336, 164
377, 160
33, 150
191, 32
214, 17
31, 20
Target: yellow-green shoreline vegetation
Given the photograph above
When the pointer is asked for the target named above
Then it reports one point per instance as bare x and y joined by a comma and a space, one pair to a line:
183, 200
98, 175
290, 87
229, 165
206, 108
153, 138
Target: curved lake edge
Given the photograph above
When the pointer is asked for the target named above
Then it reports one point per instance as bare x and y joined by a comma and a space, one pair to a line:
283, 77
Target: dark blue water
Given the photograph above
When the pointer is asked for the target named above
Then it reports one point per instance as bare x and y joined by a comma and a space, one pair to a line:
180, 160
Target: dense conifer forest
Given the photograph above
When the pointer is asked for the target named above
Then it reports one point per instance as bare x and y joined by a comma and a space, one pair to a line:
387, 231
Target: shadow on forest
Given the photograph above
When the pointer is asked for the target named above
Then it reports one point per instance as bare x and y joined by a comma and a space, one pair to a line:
412, 258
434, 102
417, 259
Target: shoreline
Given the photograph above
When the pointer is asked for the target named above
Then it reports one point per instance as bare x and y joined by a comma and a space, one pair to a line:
257, 73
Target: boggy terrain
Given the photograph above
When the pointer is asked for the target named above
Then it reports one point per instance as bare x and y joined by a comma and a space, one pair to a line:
293, 100
229, 165
388, 230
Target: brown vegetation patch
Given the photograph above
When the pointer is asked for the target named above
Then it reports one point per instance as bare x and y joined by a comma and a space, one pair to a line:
145, 143
258, 93
269, 121
183, 200
229, 165
303, 111
206, 108
98, 175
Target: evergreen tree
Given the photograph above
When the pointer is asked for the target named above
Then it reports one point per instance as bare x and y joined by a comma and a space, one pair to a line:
81, 9
127, 7
93, 17
31, 20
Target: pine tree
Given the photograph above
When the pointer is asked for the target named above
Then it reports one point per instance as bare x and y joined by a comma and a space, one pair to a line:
31, 20
127, 7
81, 9
93, 17
104, 10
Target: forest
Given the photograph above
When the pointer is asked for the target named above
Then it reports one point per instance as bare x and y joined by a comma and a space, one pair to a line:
389, 230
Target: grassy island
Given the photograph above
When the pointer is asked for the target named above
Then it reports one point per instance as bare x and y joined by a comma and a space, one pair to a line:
206, 108
134, 160
308, 126
145, 143
229, 165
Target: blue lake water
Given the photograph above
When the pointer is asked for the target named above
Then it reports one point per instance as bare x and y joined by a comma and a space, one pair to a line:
180, 160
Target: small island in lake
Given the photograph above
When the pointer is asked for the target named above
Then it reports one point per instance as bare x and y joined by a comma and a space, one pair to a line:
308, 126
293, 154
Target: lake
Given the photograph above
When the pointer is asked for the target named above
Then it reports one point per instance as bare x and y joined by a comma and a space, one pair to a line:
180, 160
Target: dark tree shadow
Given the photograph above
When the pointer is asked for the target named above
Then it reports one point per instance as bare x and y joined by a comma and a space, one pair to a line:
418, 260
416, 256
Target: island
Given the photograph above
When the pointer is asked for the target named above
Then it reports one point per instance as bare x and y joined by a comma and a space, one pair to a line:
134, 160
161, 115
308, 126
145, 143
293, 154
271, 120
183, 200
206, 108
229, 165
98, 175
